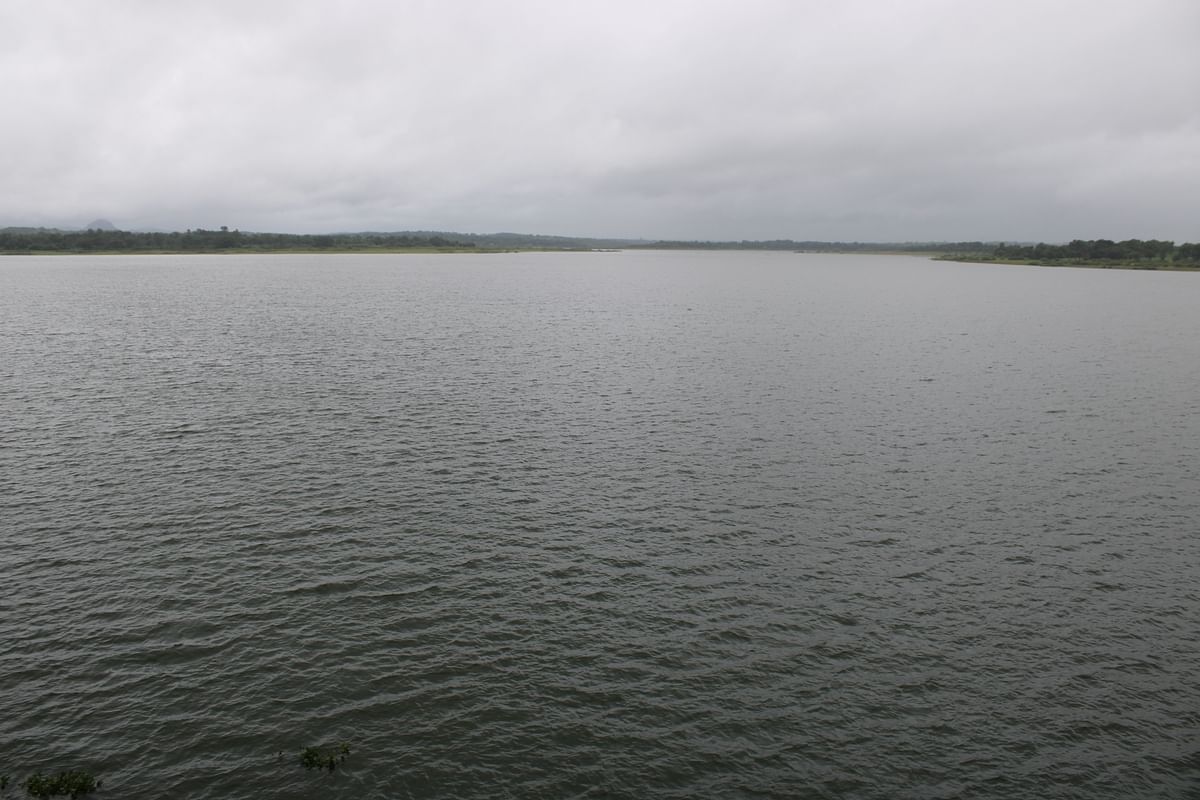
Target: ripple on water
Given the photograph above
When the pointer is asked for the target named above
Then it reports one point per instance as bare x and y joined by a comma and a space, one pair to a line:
524, 527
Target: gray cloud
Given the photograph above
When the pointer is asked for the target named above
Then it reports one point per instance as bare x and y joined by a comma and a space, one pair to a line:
858, 119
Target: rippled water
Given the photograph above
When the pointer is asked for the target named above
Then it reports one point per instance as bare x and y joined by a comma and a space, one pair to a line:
600, 525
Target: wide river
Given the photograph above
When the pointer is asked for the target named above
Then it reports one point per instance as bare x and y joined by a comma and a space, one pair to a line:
599, 525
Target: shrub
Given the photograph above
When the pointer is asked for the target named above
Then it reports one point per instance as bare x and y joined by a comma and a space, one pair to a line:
314, 758
75, 783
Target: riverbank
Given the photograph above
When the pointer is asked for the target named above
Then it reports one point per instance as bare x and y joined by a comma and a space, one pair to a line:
1160, 266
267, 251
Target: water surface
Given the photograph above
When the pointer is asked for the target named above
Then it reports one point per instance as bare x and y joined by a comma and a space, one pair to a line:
600, 525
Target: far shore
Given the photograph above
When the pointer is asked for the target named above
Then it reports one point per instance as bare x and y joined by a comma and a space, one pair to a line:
934, 255
274, 252
1130, 254
1156, 266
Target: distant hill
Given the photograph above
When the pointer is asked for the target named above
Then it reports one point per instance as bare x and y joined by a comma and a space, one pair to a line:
100, 225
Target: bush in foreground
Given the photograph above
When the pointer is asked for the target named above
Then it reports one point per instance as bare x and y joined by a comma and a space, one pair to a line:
313, 758
73, 784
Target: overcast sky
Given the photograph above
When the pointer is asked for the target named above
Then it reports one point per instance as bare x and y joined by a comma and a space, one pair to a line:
877, 120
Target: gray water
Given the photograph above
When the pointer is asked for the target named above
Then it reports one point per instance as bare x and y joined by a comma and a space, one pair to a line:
627, 525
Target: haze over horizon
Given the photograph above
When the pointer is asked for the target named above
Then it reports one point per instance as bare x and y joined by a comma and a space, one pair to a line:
775, 119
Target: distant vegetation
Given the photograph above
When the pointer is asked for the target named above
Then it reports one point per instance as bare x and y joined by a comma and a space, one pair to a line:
46, 240
826, 247
199, 240
1131, 253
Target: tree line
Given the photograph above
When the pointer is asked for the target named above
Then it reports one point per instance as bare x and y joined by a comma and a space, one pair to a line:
1146, 253
1149, 252
199, 240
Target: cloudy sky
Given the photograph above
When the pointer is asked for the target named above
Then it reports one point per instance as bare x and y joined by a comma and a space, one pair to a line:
878, 120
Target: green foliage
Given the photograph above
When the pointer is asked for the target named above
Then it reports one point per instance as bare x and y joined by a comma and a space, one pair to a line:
75, 783
41, 240
1147, 253
315, 758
